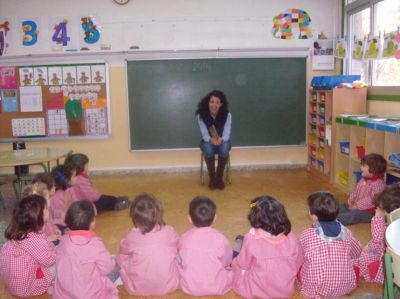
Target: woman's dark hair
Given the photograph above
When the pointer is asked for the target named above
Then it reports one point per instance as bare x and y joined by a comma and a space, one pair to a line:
269, 214
324, 205
44, 178
62, 177
77, 162
376, 163
27, 217
80, 215
146, 212
203, 108
388, 199
202, 211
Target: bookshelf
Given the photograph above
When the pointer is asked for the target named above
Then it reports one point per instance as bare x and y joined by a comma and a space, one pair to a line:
323, 107
381, 137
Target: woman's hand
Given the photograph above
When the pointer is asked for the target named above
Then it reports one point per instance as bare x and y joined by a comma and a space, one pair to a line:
216, 140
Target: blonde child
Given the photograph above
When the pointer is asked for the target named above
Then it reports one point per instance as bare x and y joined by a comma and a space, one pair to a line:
329, 249
270, 257
64, 180
85, 190
147, 254
360, 207
83, 262
50, 230
370, 261
26, 258
46, 179
205, 253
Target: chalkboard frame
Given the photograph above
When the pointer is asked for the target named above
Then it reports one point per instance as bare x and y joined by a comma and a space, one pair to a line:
213, 54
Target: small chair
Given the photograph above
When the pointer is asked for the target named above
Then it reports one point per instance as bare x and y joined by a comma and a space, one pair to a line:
392, 260
228, 174
394, 215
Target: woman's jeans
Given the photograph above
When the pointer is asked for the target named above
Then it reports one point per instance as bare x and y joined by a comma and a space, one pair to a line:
209, 149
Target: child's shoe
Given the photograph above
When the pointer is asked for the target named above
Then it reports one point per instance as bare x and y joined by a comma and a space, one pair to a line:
122, 203
238, 245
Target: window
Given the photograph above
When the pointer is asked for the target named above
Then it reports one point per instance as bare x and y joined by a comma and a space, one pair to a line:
382, 17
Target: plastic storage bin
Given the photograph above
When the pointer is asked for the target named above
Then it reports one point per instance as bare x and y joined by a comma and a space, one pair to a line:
321, 132
360, 151
321, 166
344, 178
313, 162
314, 129
321, 142
322, 108
313, 118
322, 120
313, 107
345, 147
392, 179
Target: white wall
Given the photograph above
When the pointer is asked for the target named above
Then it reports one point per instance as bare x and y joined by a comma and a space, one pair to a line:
171, 24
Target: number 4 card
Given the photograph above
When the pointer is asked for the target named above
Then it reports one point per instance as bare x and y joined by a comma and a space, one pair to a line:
62, 33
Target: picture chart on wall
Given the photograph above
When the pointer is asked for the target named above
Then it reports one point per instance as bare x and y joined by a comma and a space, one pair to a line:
54, 101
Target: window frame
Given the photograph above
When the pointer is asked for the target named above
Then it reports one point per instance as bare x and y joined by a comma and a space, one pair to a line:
351, 9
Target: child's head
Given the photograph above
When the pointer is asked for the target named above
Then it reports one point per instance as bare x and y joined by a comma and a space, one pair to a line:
388, 199
81, 215
269, 214
323, 205
374, 164
38, 189
29, 216
146, 212
78, 162
63, 176
45, 178
202, 211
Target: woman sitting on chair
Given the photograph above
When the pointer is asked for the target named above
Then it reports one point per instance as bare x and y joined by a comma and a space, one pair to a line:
215, 125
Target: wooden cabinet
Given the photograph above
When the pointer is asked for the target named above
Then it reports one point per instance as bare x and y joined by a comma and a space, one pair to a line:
362, 135
323, 107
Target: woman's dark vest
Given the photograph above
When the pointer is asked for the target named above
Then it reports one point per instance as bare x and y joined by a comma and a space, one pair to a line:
218, 122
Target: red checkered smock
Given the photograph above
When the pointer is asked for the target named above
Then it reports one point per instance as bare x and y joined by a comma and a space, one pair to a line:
364, 193
371, 259
24, 265
328, 264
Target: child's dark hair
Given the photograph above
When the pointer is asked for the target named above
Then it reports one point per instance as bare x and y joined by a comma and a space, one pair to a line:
202, 211
269, 214
62, 176
77, 162
44, 178
27, 217
376, 163
146, 212
80, 215
389, 198
324, 205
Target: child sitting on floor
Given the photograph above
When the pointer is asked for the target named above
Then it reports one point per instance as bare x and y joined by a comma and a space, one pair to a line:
83, 262
147, 254
205, 253
270, 257
84, 188
329, 250
27, 257
370, 261
360, 207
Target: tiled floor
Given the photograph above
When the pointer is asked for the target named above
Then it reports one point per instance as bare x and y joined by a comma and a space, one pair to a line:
290, 186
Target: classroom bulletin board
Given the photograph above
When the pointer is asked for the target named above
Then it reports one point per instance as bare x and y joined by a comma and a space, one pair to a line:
54, 101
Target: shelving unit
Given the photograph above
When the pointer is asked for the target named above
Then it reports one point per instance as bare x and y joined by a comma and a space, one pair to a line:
376, 137
323, 107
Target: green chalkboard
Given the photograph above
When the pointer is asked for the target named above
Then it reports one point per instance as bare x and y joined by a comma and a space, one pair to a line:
267, 98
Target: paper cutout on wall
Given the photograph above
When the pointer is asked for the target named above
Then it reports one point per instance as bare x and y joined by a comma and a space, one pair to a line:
358, 52
69, 74
389, 45
83, 73
323, 58
28, 127
9, 100
4, 34
292, 20
98, 74
372, 47
74, 111
55, 75
8, 77
96, 121
30, 32
340, 48
57, 124
40, 76
397, 55
26, 76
